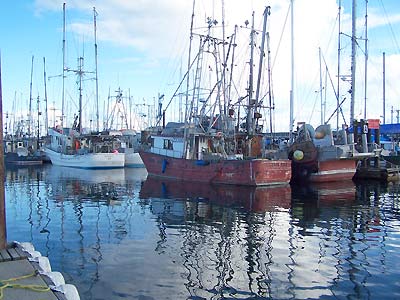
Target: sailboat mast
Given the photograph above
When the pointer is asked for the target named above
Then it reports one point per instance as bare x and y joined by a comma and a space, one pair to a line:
384, 88
63, 72
96, 77
353, 60
338, 66
291, 119
38, 123
45, 97
366, 60
80, 74
30, 103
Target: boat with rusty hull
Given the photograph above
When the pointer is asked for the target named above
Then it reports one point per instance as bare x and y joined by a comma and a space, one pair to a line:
220, 141
250, 172
208, 160
317, 158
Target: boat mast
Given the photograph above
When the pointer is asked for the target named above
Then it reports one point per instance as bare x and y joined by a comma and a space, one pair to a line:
80, 74
250, 110
186, 129
320, 87
223, 57
271, 105
38, 123
30, 104
292, 72
384, 89
267, 12
63, 72
96, 77
338, 67
45, 97
366, 60
353, 60
233, 40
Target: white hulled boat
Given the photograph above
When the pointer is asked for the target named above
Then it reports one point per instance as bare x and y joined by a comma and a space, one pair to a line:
71, 149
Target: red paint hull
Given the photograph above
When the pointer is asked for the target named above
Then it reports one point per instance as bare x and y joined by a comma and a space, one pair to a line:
254, 172
255, 199
334, 170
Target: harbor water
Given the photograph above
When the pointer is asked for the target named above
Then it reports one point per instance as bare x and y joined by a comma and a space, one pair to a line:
116, 234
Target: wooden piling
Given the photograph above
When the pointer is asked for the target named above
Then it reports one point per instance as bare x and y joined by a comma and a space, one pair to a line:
3, 232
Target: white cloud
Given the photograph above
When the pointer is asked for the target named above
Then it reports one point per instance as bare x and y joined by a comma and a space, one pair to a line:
158, 32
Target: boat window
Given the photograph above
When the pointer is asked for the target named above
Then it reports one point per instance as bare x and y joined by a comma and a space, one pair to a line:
168, 144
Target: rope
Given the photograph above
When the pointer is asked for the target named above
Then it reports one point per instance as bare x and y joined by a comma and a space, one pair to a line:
33, 287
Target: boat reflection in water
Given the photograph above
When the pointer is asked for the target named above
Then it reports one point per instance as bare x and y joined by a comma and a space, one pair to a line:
326, 192
122, 236
254, 199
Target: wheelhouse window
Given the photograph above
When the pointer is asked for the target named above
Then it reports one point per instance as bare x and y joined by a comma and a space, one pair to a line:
168, 144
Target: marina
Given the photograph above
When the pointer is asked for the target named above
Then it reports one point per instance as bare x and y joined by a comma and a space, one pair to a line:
223, 180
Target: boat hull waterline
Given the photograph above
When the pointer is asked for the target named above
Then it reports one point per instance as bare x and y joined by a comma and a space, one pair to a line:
334, 170
252, 172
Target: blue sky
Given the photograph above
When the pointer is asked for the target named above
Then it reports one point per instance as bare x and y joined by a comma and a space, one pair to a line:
142, 47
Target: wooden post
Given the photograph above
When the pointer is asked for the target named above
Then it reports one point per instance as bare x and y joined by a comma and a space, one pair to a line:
3, 235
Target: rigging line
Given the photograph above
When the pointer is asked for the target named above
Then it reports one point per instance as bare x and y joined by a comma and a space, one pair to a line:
179, 86
390, 26
313, 108
280, 38
336, 94
333, 32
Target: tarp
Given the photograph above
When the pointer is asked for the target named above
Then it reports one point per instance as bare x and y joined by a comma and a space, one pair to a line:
390, 128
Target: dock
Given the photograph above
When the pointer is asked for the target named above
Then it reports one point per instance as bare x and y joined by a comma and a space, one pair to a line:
377, 169
26, 275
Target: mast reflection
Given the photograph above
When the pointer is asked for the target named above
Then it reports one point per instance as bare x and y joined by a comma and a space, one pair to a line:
226, 230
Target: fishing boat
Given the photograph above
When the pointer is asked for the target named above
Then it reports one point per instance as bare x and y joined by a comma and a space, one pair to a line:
74, 146
69, 148
20, 152
317, 158
129, 146
211, 145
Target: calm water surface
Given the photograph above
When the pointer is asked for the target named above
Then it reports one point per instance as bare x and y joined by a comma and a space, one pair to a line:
116, 235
